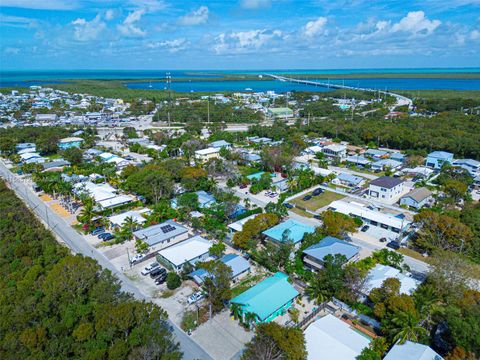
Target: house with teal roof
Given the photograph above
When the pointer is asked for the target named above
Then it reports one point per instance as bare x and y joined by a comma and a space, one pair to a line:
268, 299
288, 230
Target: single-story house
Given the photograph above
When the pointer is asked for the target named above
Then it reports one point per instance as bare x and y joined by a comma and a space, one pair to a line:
162, 235
221, 144
32, 157
27, 150
376, 154
267, 299
238, 225
239, 265
56, 165
380, 273
369, 216
69, 142
24, 146
349, 180
411, 351
417, 198
358, 160
313, 256
281, 184
280, 112
259, 140
191, 250
312, 150
397, 156
421, 171
334, 339
250, 157
205, 200
436, 159
117, 221
204, 155
383, 164
288, 230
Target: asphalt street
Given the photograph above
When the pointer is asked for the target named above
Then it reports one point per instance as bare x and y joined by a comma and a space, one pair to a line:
78, 245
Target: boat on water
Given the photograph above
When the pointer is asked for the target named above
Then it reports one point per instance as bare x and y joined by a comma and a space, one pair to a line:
248, 89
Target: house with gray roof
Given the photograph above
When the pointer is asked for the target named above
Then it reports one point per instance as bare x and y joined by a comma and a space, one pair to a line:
162, 235
239, 265
386, 189
349, 180
314, 255
417, 198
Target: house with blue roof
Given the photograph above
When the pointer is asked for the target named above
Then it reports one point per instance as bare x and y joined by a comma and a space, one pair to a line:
314, 255
205, 200
239, 265
268, 299
437, 159
289, 230
221, 144
349, 180
397, 156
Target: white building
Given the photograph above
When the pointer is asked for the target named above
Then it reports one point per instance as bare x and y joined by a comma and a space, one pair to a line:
336, 151
207, 154
191, 250
330, 338
380, 273
386, 189
136, 215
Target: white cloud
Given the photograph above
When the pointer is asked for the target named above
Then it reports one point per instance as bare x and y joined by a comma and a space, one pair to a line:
255, 4
314, 27
41, 4
415, 22
129, 27
172, 46
475, 34
109, 14
245, 41
88, 30
149, 5
11, 51
17, 21
195, 17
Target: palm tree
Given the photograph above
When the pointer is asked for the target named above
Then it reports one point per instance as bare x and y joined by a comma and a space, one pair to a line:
407, 328
130, 223
87, 213
249, 318
236, 310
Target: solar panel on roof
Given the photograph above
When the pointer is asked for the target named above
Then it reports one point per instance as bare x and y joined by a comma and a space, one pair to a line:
167, 228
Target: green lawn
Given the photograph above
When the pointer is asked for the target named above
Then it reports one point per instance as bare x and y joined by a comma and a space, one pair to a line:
317, 202
301, 212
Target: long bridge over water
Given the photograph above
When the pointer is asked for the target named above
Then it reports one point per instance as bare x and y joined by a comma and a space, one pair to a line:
401, 100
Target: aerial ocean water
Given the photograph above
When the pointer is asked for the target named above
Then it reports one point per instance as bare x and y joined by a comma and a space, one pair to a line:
198, 80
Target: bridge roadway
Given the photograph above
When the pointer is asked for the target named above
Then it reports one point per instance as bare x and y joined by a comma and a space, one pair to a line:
401, 100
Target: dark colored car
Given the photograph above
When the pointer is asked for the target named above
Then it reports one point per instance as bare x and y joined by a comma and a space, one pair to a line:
288, 205
307, 197
161, 278
157, 272
104, 235
97, 231
393, 245
383, 239
317, 192
364, 228
243, 186
108, 237
318, 217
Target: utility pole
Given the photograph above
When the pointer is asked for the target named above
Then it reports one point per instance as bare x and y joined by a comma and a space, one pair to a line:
169, 82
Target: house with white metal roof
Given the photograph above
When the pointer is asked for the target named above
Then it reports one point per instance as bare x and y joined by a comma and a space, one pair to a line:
192, 250
330, 338
380, 273
314, 255
411, 351
162, 235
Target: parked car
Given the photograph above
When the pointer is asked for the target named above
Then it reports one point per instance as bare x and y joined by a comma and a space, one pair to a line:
108, 237
103, 235
97, 231
393, 245
149, 268
288, 205
157, 272
318, 217
243, 186
195, 297
307, 197
365, 228
383, 239
317, 192
161, 279
137, 258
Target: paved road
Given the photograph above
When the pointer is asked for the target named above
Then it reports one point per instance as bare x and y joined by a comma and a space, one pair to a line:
78, 245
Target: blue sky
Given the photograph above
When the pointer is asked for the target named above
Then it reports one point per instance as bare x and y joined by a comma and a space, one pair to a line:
238, 34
